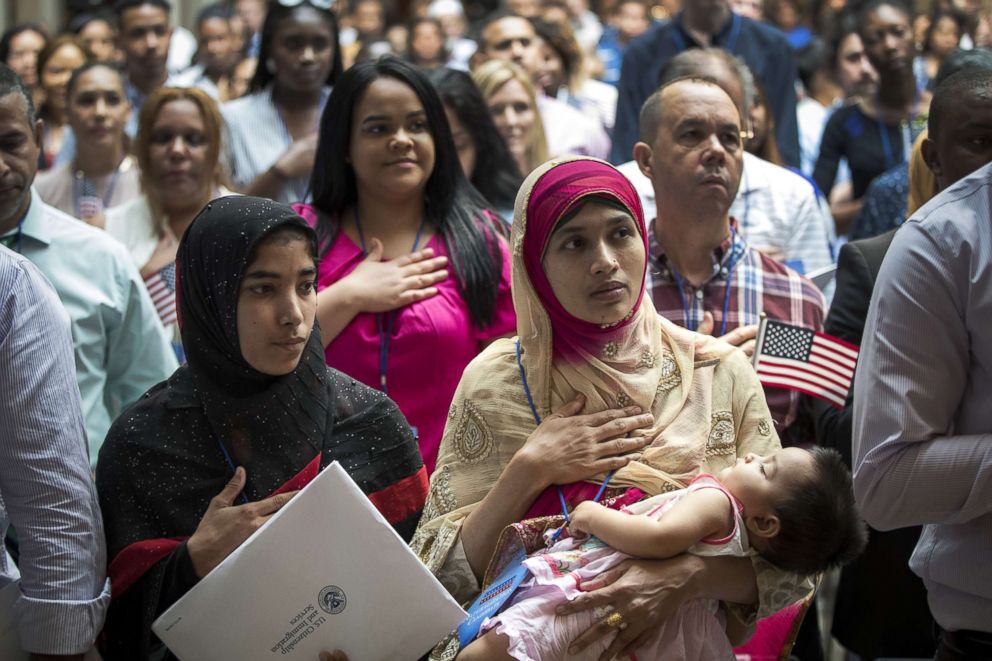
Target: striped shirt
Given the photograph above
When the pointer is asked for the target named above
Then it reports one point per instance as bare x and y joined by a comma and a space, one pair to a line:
257, 137
757, 284
922, 445
45, 485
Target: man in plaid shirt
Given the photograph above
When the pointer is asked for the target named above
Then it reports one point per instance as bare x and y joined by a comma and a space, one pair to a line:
702, 274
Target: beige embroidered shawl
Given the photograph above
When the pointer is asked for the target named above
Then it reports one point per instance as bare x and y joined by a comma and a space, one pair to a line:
707, 402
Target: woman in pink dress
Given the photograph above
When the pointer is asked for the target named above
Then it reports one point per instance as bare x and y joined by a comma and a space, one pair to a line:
414, 273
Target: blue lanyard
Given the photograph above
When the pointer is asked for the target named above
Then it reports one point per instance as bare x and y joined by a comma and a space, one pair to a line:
735, 31
537, 419
242, 498
691, 323
384, 322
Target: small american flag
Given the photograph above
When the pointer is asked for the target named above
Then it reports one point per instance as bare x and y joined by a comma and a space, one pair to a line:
808, 361
162, 288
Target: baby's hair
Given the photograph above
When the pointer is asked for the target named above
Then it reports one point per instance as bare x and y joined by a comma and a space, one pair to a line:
820, 527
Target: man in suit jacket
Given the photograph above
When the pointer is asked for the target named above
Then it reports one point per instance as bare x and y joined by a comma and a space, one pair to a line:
881, 607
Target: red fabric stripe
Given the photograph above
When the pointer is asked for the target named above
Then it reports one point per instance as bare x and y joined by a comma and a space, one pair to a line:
132, 563
399, 501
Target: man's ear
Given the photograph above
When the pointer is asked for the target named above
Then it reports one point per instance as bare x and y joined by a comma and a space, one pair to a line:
39, 131
642, 156
928, 149
765, 526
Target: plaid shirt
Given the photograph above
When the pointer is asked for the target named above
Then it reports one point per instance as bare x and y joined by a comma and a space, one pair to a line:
757, 284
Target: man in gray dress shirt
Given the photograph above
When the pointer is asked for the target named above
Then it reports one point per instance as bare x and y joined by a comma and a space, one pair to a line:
45, 486
922, 417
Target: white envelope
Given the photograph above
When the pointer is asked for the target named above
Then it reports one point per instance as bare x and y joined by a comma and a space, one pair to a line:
326, 572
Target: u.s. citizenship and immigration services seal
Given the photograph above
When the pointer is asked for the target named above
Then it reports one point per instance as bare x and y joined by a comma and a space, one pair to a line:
332, 599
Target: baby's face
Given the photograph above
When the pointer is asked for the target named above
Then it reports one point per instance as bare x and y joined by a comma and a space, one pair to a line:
760, 483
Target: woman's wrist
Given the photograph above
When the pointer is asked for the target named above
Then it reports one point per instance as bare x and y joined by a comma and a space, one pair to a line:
525, 470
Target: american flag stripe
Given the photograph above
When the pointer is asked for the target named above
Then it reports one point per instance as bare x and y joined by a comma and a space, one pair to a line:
786, 367
806, 387
805, 360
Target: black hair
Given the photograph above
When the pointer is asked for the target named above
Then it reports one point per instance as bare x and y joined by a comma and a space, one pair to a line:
80, 21
275, 13
219, 10
10, 33
845, 25
122, 5
873, 5
935, 17
496, 176
959, 88
281, 235
820, 526
489, 19
813, 57
11, 83
451, 204
92, 64
962, 60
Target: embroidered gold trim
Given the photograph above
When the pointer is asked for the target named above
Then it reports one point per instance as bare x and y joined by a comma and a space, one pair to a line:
670, 376
473, 438
721, 438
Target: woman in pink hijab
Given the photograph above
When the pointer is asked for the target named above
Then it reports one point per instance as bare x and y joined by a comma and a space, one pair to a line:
596, 387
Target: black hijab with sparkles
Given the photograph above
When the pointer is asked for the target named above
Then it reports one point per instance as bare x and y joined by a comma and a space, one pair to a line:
167, 455
255, 416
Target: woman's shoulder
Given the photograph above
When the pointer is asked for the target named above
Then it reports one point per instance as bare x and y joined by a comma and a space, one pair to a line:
145, 422
494, 365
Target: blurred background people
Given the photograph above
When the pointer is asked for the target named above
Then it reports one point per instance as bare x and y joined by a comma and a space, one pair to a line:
512, 103
216, 54
425, 46
98, 33
299, 61
485, 159
56, 62
20, 46
178, 152
101, 174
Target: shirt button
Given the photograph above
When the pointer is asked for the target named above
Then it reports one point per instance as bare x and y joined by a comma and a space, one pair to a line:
699, 294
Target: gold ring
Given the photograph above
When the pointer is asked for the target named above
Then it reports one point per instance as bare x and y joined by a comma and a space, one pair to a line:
615, 620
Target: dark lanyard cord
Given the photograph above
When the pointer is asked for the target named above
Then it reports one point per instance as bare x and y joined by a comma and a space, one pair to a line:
537, 419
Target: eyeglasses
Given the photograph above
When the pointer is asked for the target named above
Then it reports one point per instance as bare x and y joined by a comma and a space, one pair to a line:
319, 4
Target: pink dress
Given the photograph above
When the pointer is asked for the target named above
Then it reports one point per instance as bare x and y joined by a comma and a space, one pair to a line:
695, 632
431, 342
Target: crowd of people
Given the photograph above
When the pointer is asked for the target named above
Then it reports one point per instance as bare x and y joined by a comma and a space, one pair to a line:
509, 265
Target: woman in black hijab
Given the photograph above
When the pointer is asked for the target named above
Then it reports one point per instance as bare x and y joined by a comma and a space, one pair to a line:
204, 458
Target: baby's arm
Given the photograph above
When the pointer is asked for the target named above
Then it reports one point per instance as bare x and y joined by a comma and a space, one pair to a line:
702, 514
